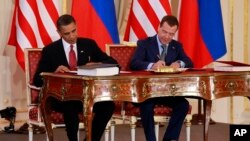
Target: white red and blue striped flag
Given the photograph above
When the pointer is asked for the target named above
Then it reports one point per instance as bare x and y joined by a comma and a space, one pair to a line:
96, 19
201, 31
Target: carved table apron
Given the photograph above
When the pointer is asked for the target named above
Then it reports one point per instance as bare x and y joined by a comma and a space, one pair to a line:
139, 86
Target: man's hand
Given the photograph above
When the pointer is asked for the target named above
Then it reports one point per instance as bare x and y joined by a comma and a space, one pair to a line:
62, 69
175, 65
158, 64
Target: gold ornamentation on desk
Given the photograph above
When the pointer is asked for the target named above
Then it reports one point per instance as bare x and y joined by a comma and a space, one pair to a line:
63, 92
86, 92
144, 90
202, 87
155, 88
114, 90
173, 89
231, 86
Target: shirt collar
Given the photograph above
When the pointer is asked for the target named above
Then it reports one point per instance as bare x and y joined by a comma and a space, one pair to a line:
66, 44
159, 43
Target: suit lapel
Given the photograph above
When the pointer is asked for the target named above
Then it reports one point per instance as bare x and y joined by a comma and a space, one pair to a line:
61, 52
82, 54
155, 49
171, 52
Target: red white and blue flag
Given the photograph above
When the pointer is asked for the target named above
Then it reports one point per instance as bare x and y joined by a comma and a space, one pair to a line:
96, 19
33, 25
201, 31
144, 18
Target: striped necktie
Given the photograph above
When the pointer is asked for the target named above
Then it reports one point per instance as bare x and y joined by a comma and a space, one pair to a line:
164, 52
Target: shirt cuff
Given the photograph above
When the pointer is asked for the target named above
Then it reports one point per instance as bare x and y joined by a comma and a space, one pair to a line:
150, 66
182, 64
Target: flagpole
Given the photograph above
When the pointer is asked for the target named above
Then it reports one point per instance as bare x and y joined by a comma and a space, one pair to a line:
64, 6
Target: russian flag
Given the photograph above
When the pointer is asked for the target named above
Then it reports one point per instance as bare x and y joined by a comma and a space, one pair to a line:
201, 31
96, 19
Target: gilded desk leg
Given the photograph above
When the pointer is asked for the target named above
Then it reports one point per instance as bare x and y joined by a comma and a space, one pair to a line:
45, 114
207, 112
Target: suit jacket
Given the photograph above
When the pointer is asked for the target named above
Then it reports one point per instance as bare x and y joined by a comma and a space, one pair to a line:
147, 52
54, 55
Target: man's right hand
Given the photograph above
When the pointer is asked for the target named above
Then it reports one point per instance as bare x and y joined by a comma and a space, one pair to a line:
158, 64
62, 69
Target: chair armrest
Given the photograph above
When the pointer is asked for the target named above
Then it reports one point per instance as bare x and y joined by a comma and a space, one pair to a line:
34, 87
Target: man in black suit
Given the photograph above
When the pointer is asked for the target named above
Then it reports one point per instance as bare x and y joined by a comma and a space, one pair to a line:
149, 55
56, 58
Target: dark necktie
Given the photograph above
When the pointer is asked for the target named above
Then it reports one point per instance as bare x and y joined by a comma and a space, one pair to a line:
163, 53
72, 58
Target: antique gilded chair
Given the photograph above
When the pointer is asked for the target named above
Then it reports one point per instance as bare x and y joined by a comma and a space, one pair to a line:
32, 57
126, 112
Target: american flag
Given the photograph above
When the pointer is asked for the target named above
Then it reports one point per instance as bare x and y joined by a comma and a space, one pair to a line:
33, 25
144, 18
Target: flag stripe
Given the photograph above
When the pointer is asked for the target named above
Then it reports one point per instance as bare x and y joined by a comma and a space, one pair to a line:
103, 13
136, 27
32, 25
28, 15
214, 35
189, 34
166, 6
51, 9
49, 23
22, 40
141, 16
42, 31
25, 26
97, 21
144, 18
201, 31
151, 15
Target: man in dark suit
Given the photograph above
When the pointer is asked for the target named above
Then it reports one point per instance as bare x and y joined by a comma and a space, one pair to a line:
56, 57
153, 53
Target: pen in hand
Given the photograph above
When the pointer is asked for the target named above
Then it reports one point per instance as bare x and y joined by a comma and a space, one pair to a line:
161, 59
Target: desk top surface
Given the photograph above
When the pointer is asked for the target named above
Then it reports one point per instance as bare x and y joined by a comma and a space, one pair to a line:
150, 74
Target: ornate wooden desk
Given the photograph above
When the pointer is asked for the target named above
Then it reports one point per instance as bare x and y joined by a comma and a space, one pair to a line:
139, 86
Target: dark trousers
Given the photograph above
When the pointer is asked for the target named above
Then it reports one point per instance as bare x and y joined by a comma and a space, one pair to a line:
70, 109
180, 108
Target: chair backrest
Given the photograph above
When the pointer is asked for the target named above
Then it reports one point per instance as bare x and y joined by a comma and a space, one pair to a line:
121, 53
32, 57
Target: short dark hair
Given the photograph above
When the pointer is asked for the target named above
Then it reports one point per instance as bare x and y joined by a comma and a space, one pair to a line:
170, 19
63, 20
